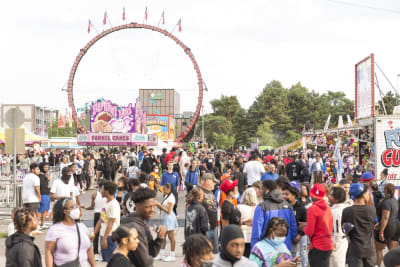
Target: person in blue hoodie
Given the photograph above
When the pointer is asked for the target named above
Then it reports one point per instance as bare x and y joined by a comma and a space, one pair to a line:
274, 205
192, 176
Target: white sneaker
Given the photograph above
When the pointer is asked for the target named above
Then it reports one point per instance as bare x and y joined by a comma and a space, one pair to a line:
159, 257
169, 259
97, 257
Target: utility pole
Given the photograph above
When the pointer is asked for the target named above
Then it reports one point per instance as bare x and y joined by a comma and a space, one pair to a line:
202, 124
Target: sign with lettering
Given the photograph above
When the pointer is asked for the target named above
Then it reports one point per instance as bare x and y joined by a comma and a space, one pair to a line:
116, 139
387, 148
106, 117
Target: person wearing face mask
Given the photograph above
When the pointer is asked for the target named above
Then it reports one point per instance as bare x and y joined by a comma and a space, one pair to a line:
156, 177
61, 188
197, 251
127, 240
271, 250
67, 241
232, 249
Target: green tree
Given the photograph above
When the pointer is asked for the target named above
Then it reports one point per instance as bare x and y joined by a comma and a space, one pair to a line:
223, 141
390, 101
54, 131
226, 106
213, 124
265, 135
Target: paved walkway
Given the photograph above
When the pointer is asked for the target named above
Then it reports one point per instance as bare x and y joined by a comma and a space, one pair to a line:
88, 220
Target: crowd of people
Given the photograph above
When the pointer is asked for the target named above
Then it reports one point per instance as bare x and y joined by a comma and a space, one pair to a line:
241, 209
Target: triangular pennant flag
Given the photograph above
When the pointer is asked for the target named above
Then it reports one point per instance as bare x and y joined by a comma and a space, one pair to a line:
123, 14
163, 17
180, 25
105, 18
145, 14
89, 26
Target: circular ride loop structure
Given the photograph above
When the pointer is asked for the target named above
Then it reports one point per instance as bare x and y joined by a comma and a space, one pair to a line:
135, 25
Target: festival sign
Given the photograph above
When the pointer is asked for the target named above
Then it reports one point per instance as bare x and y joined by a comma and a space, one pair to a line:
106, 117
140, 118
387, 148
364, 94
116, 139
158, 125
171, 130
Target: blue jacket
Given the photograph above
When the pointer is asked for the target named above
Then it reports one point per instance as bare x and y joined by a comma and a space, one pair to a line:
314, 166
273, 206
192, 177
269, 176
170, 178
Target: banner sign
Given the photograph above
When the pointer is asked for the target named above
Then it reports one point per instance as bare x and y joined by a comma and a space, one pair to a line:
158, 125
365, 94
116, 139
106, 117
387, 149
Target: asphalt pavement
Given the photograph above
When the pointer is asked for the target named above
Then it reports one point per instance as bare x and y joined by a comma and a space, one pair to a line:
87, 219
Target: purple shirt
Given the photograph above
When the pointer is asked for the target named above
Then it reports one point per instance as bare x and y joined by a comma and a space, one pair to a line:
67, 243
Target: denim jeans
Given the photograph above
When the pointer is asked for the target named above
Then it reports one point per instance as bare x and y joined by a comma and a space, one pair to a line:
107, 253
213, 236
303, 243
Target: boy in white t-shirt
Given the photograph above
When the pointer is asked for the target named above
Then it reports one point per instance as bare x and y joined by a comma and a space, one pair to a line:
109, 220
31, 188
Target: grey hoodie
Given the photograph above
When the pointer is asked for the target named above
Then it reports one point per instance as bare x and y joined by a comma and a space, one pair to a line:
148, 247
243, 262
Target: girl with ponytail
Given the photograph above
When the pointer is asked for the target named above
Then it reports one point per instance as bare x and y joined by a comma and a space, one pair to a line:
169, 221
128, 240
196, 219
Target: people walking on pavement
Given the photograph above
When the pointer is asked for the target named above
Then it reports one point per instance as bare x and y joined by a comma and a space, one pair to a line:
232, 249
319, 228
169, 221
172, 177
361, 219
196, 218
44, 193
127, 240
20, 248
31, 196
197, 251
387, 233
271, 249
247, 208
337, 199
149, 247
109, 220
67, 241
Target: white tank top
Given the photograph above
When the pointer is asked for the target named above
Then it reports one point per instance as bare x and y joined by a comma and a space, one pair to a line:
99, 202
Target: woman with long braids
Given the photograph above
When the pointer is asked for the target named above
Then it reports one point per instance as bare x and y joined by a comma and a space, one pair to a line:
196, 218
169, 220
388, 230
67, 241
20, 249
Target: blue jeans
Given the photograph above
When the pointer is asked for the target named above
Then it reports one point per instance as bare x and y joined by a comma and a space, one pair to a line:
303, 243
213, 236
107, 253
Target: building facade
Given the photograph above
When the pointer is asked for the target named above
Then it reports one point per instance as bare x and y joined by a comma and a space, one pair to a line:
160, 101
35, 116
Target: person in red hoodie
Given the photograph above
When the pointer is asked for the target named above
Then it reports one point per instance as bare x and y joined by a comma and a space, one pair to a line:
319, 228
170, 156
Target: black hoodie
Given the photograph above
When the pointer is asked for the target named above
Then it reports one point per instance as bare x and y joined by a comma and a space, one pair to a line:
21, 251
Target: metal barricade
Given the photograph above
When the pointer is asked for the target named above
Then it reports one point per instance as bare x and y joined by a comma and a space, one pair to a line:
7, 191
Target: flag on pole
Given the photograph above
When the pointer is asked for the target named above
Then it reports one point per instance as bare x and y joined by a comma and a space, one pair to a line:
326, 127
105, 18
163, 17
89, 26
145, 14
123, 14
180, 25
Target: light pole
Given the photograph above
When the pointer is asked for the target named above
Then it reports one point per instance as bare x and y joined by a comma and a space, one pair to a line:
202, 124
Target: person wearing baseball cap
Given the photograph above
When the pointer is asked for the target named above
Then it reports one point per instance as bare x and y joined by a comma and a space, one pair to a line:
361, 251
230, 214
274, 205
319, 228
367, 178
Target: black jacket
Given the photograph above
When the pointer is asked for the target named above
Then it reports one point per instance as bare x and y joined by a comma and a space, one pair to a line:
196, 219
21, 251
300, 212
148, 247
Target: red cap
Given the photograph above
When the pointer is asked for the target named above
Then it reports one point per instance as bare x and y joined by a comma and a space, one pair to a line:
227, 185
318, 191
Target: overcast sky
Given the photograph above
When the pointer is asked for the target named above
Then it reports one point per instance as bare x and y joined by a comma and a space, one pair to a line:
240, 47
